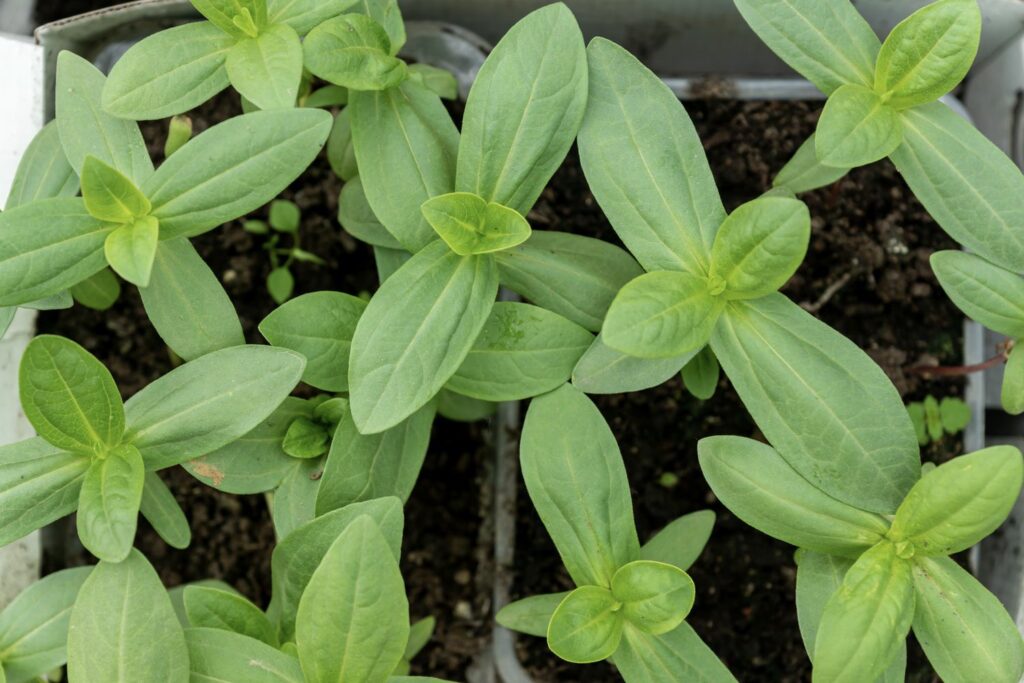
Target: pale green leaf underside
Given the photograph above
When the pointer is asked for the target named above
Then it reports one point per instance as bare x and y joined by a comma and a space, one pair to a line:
826, 41
571, 275
416, 332
123, 627
965, 182
187, 304
403, 137
856, 128
578, 485
990, 294
646, 165
524, 110
760, 488
169, 72
857, 445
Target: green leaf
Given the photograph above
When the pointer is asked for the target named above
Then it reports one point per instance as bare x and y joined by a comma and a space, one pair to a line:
44, 171
353, 51
587, 626
123, 627
676, 657
440, 81
34, 626
530, 615
356, 597
362, 467
86, 129
818, 577
461, 408
169, 72
217, 655
280, 284
682, 541
956, 414
187, 304
645, 164
297, 555
255, 462
305, 439
108, 507
759, 246
47, 246
358, 219
804, 172
963, 628
536, 76
162, 511
1012, 393
759, 487
662, 314
230, 15
39, 484
387, 14
341, 153
603, 370
320, 326
990, 294
213, 608
415, 333
932, 418
574, 276
327, 96
471, 225
960, 503
284, 216
303, 15
294, 498
420, 634
965, 182
234, 168
927, 54
578, 485
109, 195
827, 41
209, 402
655, 597
856, 445
99, 292
700, 374
131, 249
267, 69
866, 621
179, 131
403, 137
523, 351
70, 397
856, 128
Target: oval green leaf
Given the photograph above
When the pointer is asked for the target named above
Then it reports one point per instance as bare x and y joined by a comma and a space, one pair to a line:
662, 314
587, 626
655, 597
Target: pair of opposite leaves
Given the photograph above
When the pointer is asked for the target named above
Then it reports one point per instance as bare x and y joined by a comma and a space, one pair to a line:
100, 456
254, 45
898, 572
351, 590
968, 185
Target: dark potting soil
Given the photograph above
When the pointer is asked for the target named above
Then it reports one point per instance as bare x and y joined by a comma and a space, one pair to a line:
869, 249
867, 275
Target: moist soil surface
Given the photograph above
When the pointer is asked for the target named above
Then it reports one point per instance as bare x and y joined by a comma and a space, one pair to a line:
866, 274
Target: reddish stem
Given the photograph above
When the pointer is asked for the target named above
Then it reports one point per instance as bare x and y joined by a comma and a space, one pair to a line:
957, 370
